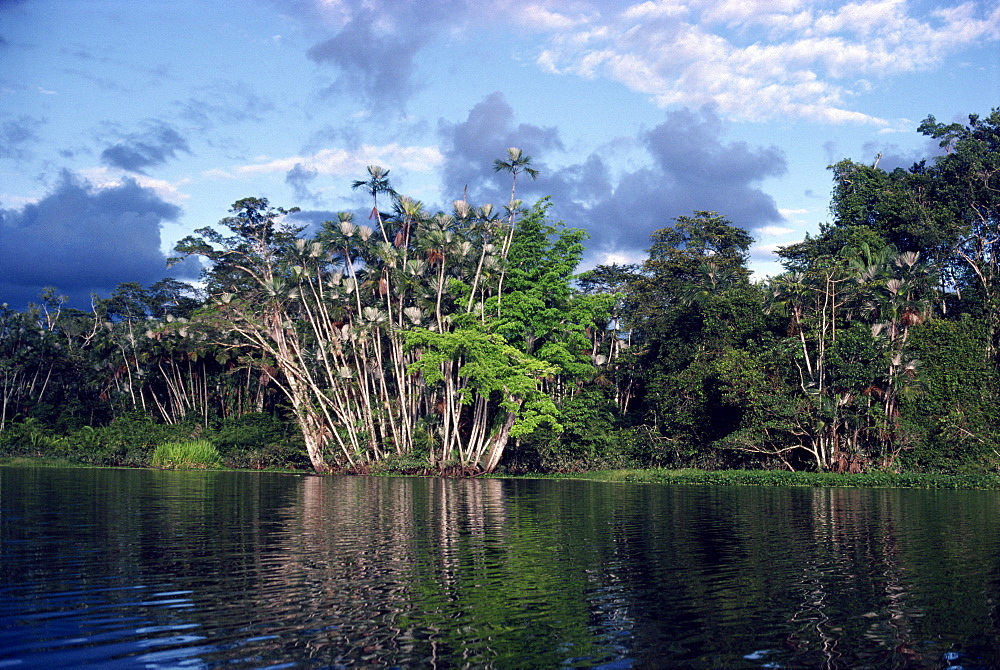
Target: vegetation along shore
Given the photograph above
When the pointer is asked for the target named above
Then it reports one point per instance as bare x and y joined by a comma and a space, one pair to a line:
467, 342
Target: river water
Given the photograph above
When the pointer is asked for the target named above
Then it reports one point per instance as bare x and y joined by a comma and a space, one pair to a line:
139, 568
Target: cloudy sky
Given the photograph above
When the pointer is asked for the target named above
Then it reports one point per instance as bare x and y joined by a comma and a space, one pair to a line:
124, 125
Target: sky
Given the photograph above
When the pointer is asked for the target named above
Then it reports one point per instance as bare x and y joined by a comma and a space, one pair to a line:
126, 125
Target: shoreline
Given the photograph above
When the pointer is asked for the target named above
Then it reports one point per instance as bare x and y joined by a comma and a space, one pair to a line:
684, 476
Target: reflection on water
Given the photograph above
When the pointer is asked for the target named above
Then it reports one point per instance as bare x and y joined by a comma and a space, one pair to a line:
167, 569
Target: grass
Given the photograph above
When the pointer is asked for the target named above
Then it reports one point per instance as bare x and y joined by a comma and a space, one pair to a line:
200, 454
40, 462
909, 480
187, 455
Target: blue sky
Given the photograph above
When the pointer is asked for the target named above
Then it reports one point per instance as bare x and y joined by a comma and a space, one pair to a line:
125, 125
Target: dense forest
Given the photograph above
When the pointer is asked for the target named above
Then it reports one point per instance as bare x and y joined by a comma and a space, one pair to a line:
466, 340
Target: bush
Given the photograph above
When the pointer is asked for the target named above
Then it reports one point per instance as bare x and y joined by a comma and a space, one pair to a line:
28, 438
258, 440
129, 441
186, 455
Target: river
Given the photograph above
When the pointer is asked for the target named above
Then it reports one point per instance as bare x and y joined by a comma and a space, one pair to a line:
142, 568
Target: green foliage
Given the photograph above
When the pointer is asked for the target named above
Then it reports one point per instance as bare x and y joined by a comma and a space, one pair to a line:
129, 440
187, 455
493, 369
952, 416
540, 314
588, 437
258, 441
440, 338
692, 309
873, 479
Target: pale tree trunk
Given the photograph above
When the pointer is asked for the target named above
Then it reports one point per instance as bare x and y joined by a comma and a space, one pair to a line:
315, 434
498, 442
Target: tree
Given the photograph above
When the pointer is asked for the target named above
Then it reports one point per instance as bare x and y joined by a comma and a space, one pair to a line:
516, 163
384, 346
253, 286
966, 181
688, 306
377, 183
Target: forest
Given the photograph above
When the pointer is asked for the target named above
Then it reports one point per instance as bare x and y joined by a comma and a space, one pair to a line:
468, 342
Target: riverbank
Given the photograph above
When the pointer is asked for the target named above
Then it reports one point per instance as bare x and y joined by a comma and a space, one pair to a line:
689, 476
685, 476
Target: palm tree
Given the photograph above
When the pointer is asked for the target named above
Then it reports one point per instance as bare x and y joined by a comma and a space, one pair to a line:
378, 182
516, 164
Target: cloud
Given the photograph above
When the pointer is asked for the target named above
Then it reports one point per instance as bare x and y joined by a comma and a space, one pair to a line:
753, 59
154, 146
375, 48
345, 162
299, 178
761, 59
17, 136
84, 239
777, 231
692, 168
103, 178
891, 156
8, 5
689, 166
226, 103
471, 146
766, 253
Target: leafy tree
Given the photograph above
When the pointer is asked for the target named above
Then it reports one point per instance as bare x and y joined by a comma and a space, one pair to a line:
950, 418
381, 346
688, 306
966, 183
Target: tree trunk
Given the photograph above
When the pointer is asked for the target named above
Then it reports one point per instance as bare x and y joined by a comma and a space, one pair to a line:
314, 433
498, 442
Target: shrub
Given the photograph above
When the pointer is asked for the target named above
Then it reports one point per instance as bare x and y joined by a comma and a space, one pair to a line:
259, 441
186, 455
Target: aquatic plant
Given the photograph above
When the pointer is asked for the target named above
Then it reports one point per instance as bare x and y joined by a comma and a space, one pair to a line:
186, 455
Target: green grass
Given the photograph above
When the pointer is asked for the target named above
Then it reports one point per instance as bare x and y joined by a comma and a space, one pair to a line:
201, 454
785, 478
191, 454
40, 462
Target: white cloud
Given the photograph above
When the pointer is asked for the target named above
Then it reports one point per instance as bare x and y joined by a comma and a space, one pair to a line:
654, 10
761, 59
537, 17
8, 201
776, 231
620, 258
104, 178
741, 11
346, 162
767, 251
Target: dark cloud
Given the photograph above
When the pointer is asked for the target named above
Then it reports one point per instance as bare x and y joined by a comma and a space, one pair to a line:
470, 147
313, 218
17, 135
375, 51
691, 168
154, 146
700, 171
226, 103
84, 240
380, 68
299, 178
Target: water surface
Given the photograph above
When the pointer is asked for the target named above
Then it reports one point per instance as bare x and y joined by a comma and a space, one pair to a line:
130, 568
